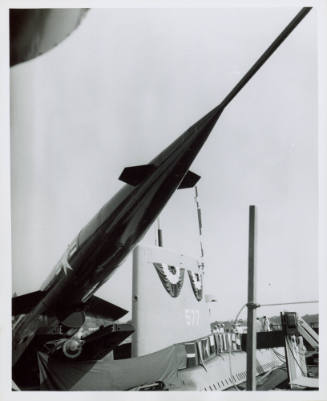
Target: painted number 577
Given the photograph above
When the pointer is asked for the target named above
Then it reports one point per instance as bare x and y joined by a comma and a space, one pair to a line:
192, 317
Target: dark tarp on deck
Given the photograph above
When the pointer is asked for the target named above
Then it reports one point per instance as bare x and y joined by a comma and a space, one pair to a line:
108, 374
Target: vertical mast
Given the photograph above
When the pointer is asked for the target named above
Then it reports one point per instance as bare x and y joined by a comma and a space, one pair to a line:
159, 232
251, 337
198, 210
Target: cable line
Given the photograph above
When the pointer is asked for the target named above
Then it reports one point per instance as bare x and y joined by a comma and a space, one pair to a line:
290, 303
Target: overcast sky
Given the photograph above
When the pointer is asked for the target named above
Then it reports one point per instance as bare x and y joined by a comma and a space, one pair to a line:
123, 86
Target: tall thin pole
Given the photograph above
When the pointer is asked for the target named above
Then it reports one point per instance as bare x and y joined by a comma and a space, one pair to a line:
251, 337
198, 210
160, 243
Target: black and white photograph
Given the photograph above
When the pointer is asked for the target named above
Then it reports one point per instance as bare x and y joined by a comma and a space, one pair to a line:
166, 218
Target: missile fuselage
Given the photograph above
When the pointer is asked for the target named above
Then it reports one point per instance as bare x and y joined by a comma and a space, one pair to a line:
102, 245
121, 223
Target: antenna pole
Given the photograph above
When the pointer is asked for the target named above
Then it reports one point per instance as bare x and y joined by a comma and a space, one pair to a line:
251, 337
198, 210
159, 231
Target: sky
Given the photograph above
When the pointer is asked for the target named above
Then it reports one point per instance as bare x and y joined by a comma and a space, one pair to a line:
120, 89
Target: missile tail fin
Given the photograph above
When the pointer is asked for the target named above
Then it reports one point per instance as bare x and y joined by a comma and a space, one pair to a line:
189, 180
136, 174
96, 306
25, 303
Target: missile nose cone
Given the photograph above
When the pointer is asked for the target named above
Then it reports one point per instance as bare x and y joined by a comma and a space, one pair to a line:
209, 120
187, 146
198, 133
